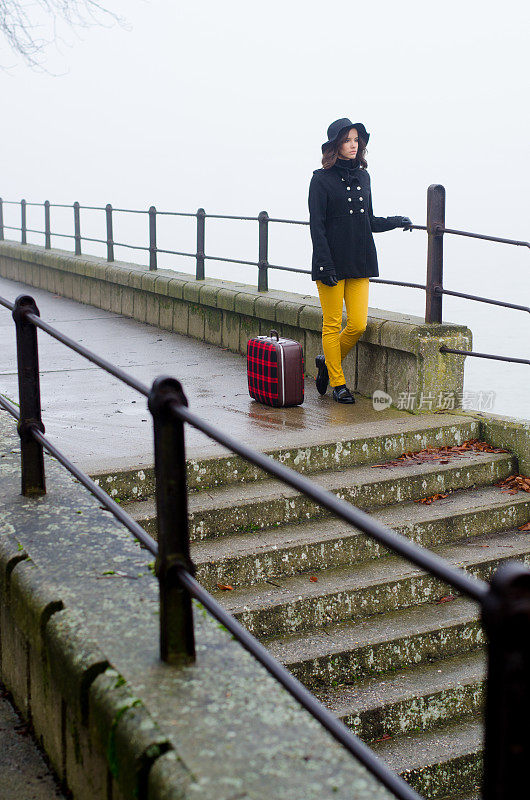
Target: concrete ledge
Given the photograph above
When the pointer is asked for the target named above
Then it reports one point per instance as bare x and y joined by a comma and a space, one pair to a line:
79, 652
511, 433
398, 353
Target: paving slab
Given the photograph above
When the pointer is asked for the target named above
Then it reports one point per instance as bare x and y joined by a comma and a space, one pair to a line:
23, 770
102, 424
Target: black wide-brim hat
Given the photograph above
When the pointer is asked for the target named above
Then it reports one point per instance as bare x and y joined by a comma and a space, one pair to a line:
340, 125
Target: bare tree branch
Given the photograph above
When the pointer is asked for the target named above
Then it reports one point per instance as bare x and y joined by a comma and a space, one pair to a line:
30, 39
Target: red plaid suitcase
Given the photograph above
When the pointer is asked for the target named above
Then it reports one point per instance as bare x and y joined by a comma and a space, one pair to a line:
275, 370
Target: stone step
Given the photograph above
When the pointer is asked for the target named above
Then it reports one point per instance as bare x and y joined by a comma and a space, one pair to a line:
438, 764
459, 796
297, 603
361, 445
245, 559
415, 700
393, 641
272, 503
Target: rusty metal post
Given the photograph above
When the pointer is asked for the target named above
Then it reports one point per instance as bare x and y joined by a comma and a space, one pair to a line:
263, 263
77, 229
177, 640
1, 220
201, 225
434, 282
47, 226
152, 238
23, 225
110, 236
32, 457
506, 619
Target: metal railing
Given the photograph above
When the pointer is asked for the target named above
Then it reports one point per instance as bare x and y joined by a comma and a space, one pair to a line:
435, 228
505, 602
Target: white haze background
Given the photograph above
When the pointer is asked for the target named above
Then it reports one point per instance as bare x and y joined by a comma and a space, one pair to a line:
226, 105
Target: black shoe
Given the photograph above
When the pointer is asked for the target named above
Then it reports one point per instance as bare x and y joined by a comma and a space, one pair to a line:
322, 378
343, 395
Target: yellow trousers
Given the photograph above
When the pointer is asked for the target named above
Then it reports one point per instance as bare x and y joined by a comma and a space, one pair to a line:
336, 343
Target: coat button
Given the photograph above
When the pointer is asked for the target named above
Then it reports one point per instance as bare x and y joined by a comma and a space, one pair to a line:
349, 199
360, 198
351, 210
321, 269
342, 179
359, 187
362, 210
348, 188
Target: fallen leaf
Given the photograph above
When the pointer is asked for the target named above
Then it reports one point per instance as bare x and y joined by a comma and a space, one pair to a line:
429, 500
446, 599
225, 587
515, 483
525, 527
441, 454
313, 579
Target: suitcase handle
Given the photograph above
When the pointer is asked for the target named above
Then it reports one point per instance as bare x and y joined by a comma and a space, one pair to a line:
276, 333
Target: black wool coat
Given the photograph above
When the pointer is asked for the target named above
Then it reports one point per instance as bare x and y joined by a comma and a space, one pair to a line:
342, 221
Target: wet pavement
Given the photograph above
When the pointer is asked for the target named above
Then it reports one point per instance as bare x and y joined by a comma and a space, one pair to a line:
24, 774
102, 424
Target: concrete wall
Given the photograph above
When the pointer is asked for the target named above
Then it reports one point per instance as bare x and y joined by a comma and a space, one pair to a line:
79, 652
397, 354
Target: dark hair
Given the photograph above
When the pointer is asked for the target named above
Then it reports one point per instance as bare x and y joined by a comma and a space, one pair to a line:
332, 151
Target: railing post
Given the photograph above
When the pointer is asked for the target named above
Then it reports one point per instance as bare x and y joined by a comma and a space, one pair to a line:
152, 238
110, 236
506, 619
199, 270
177, 641
434, 282
1, 220
263, 256
47, 227
32, 458
23, 225
77, 229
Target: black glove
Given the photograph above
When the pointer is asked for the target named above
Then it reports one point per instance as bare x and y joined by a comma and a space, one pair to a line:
329, 276
405, 223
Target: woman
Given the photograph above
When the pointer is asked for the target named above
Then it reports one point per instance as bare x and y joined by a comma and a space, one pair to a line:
344, 255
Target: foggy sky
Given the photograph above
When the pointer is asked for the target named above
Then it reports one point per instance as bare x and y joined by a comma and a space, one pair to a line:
226, 105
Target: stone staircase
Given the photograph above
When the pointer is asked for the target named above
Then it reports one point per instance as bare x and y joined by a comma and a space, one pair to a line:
397, 655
